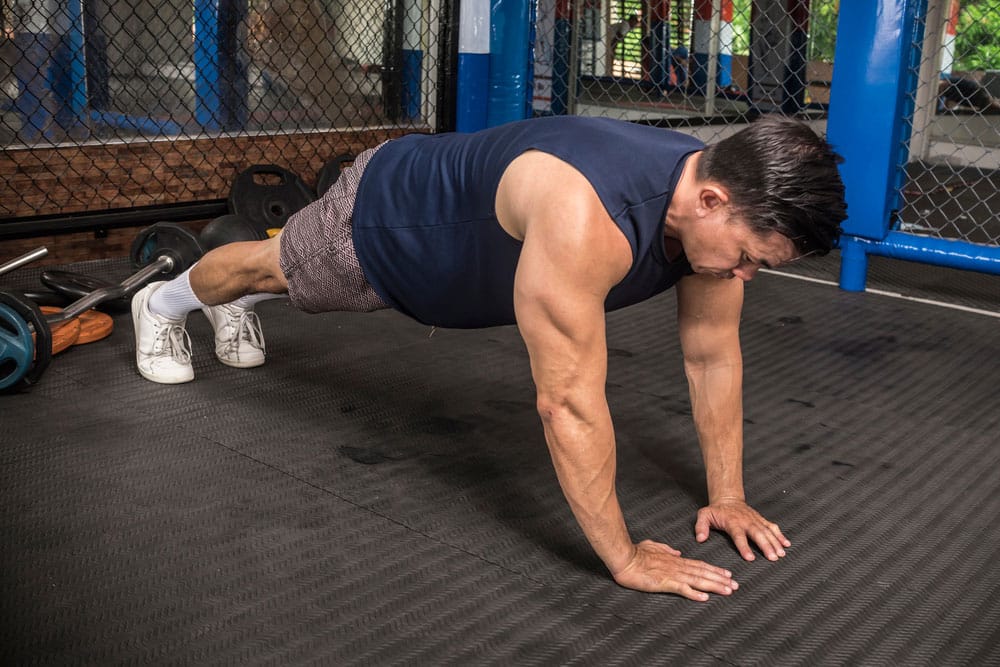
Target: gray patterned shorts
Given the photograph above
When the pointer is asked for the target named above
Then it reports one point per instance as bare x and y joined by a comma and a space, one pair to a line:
317, 251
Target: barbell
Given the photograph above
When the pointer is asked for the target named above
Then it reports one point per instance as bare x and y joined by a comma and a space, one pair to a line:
163, 249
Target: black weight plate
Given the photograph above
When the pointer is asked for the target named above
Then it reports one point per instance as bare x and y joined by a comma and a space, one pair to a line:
228, 228
47, 298
266, 195
31, 314
166, 239
74, 286
330, 172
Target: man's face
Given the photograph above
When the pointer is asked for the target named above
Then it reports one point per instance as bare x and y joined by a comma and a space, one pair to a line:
725, 249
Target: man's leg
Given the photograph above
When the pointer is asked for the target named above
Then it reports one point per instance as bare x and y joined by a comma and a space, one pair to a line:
237, 269
224, 284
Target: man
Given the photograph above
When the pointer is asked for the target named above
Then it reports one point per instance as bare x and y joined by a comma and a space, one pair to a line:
548, 223
616, 33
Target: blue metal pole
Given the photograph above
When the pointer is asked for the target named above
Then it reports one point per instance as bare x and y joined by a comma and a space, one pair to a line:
562, 40
77, 65
510, 51
413, 58
67, 76
473, 65
930, 250
867, 110
794, 85
208, 102
659, 46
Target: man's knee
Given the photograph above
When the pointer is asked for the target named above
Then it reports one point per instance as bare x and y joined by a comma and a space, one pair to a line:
266, 263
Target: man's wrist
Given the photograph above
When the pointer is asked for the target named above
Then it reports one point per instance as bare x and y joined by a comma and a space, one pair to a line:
620, 562
728, 497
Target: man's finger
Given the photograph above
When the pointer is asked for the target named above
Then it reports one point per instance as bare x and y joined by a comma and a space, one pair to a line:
742, 546
768, 544
781, 536
701, 527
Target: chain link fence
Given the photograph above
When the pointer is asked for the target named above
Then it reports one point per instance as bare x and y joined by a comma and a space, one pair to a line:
951, 188
122, 103
706, 67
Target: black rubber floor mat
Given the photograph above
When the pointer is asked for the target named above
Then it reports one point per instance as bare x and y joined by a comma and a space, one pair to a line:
380, 493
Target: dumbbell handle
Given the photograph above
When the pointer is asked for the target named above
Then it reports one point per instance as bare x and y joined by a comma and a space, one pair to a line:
161, 264
37, 253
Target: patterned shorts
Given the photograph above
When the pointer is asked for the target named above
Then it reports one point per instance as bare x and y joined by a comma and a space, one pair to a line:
317, 250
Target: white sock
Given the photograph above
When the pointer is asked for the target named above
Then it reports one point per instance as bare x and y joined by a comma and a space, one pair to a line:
249, 300
175, 299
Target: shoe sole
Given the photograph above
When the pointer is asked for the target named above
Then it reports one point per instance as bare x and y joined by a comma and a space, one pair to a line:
137, 304
232, 364
241, 364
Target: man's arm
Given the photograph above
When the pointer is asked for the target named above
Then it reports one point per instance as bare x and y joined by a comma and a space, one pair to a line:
572, 256
708, 310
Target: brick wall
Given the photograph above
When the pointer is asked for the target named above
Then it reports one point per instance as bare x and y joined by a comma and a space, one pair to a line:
95, 178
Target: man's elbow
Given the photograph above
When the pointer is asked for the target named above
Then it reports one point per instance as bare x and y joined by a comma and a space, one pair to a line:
553, 406
698, 366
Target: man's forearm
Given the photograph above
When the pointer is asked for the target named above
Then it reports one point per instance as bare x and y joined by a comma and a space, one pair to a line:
583, 454
717, 406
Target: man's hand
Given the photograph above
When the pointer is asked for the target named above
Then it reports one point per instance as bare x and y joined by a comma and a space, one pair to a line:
658, 568
743, 524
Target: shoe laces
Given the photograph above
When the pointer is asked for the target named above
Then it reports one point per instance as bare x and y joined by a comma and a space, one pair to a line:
173, 339
245, 328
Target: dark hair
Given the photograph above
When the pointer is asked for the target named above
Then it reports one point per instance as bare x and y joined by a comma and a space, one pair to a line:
781, 177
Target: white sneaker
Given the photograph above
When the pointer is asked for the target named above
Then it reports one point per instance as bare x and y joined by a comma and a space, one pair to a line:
162, 346
239, 340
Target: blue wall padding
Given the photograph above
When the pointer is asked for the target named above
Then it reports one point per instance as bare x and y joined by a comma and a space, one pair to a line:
510, 57
473, 91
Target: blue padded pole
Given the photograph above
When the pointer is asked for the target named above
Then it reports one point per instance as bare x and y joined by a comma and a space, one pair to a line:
473, 65
208, 101
510, 51
867, 109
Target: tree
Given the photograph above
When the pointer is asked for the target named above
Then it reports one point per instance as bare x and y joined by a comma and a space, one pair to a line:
977, 44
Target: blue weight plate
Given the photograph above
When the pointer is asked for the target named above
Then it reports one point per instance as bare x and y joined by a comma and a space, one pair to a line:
17, 351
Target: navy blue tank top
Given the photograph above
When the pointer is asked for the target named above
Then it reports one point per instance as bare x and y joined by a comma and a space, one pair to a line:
425, 226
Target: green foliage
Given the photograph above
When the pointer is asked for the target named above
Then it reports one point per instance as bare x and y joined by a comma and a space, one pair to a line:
823, 29
977, 45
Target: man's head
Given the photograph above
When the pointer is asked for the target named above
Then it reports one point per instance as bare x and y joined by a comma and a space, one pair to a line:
633, 20
780, 177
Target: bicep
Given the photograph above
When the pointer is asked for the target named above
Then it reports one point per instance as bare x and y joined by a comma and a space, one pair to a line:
560, 320
708, 317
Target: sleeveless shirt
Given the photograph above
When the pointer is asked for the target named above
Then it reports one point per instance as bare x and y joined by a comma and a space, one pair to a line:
425, 226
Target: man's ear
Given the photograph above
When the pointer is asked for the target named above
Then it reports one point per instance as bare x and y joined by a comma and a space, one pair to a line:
712, 196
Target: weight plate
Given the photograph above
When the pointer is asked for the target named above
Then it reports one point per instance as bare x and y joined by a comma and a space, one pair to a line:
266, 195
17, 350
30, 313
75, 286
65, 334
47, 298
228, 228
166, 239
330, 172
94, 326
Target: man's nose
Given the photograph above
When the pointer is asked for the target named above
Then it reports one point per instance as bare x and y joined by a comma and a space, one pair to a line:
745, 272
